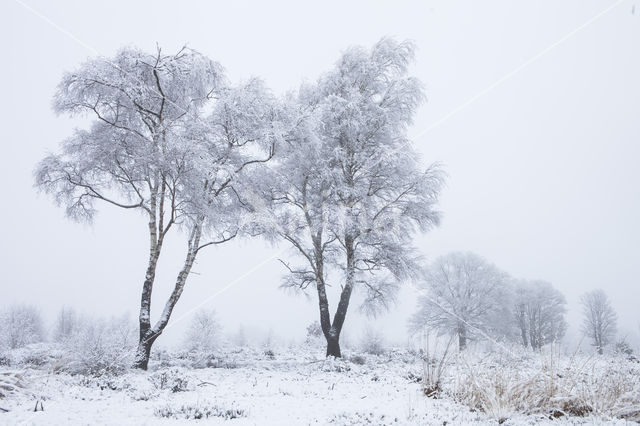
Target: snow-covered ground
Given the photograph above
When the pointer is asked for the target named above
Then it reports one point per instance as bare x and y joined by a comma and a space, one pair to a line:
287, 387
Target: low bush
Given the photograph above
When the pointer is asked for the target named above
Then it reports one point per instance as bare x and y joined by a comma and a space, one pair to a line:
269, 353
35, 356
173, 379
199, 410
358, 359
335, 365
98, 347
20, 325
203, 360
5, 360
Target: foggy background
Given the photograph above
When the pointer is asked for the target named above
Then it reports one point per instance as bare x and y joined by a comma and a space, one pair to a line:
538, 132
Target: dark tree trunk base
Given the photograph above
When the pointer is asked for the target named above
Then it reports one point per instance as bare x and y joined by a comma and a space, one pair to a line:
143, 353
462, 342
333, 348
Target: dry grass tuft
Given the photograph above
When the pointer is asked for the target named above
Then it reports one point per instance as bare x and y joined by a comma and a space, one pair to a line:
548, 384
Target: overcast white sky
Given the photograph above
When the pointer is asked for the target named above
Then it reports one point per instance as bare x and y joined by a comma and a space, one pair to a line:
543, 167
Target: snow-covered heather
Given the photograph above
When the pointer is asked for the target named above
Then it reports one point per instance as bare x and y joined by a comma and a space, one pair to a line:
295, 386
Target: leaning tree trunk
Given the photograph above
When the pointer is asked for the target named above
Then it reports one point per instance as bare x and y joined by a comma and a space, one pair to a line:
149, 335
333, 339
147, 338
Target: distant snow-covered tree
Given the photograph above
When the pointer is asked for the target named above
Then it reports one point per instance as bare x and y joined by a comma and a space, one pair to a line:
20, 325
372, 341
203, 332
600, 319
66, 323
538, 311
462, 293
240, 337
171, 139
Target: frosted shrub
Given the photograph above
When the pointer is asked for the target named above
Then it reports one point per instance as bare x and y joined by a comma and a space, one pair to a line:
202, 360
20, 325
314, 338
36, 355
335, 365
199, 410
623, 349
99, 347
5, 360
362, 418
358, 359
173, 379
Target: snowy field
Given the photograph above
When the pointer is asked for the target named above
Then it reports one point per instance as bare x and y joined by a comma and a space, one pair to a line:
294, 386
364, 157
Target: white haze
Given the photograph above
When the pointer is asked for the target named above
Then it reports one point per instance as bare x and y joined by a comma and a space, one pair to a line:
542, 167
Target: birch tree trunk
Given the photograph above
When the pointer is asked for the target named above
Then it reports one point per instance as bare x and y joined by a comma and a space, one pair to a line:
155, 247
332, 330
333, 337
148, 335
325, 319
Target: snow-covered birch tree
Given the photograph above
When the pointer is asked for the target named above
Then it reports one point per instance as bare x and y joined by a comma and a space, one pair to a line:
303, 200
462, 292
600, 320
170, 138
357, 188
384, 195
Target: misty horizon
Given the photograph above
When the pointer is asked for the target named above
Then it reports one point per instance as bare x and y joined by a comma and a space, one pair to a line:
539, 163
